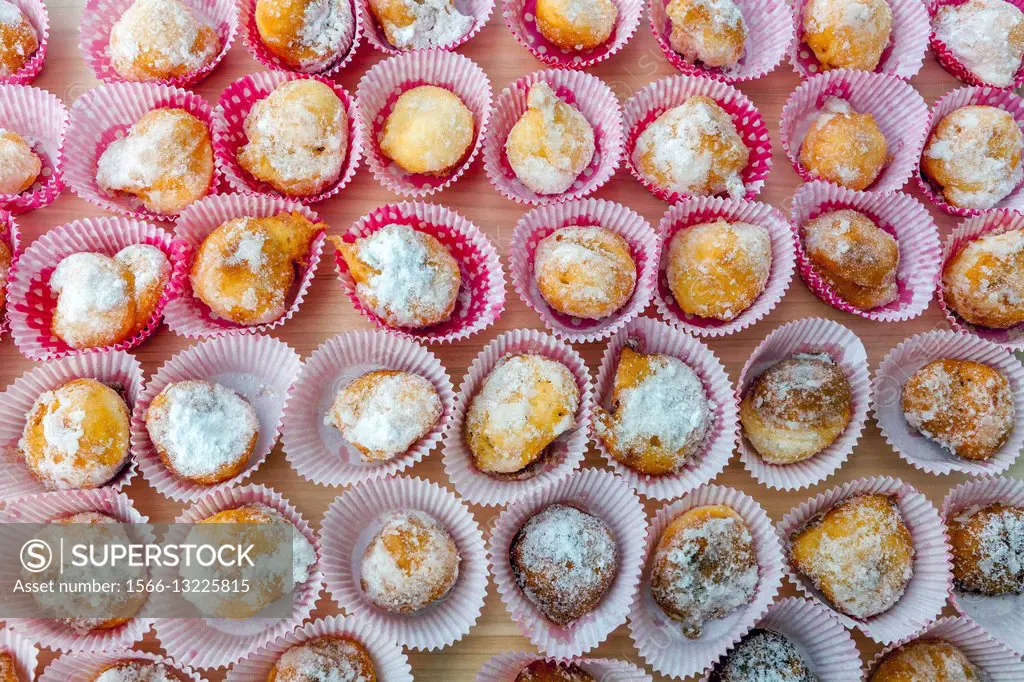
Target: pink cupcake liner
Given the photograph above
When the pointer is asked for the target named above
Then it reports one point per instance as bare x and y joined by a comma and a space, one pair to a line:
42, 120
623, 221
189, 316
769, 37
234, 106
657, 637
481, 299
115, 368
35, 11
901, 114
386, 81
45, 507
105, 114
655, 99
999, 663
22, 650
1001, 617
563, 456
84, 667
646, 335
349, 525
520, 17
696, 210
913, 354
809, 335
592, 98
947, 104
318, 452
348, 45
926, 593
480, 10
261, 369
217, 642
31, 302
506, 667
10, 233
99, 17
899, 214
948, 60
389, 661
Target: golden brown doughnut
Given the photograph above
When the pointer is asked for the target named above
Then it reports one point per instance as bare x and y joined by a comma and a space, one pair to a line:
988, 549
984, 282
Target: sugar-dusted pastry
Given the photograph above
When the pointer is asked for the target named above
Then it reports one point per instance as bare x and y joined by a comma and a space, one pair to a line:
984, 282
429, 130
405, 276
553, 671
704, 567
564, 560
151, 270
138, 670
709, 32
986, 36
160, 39
974, 156
95, 300
551, 143
659, 413
858, 554
525, 403
418, 24
384, 412
847, 34
165, 159
694, 149
18, 39
576, 25
330, 658
8, 668
586, 272
304, 34
763, 655
844, 146
296, 138
988, 549
245, 268
927, 660
19, 165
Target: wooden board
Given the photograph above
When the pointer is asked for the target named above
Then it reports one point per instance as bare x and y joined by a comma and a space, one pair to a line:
327, 311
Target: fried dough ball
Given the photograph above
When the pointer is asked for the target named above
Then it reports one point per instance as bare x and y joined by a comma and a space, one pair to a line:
151, 270
858, 554
988, 550
245, 268
986, 36
553, 671
718, 269
763, 654
410, 563
796, 408
564, 560
966, 407
695, 149
710, 32
550, 144
160, 39
18, 39
19, 165
384, 412
844, 147
585, 272
927, 660
138, 670
429, 130
331, 658
984, 282
525, 403
165, 159
856, 257
847, 34
704, 567
305, 34
974, 156
8, 668
418, 24
95, 300
297, 138
576, 25
659, 415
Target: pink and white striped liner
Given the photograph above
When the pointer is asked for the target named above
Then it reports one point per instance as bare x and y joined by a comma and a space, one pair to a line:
35, 11
24, 652
945, 56
10, 233
84, 667
506, 668
480, 10
520, 17
348, 44
42, 120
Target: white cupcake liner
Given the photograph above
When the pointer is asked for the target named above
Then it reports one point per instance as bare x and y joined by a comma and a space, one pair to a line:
84, 667
910, 356
949, 61
809, 335
22, 650
623, 221
479, 10
42, 120
900, 112
115, 368
35, 11
10, 233
658, 638
260, 369
349, 525
926, 592
348, 43
189, 316
506, 667
520, 18
318, 452
560, 458
899, 214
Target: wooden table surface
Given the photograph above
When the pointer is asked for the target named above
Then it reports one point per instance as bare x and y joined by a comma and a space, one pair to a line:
327, 311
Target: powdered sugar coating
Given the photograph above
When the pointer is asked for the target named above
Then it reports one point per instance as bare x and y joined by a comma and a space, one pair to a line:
927, 660
984, 281
711, 32
138, 671
763, 656
420, 24
95, 305
305, 34
986, 36
325, 659
988, 550
848, 34
160, 39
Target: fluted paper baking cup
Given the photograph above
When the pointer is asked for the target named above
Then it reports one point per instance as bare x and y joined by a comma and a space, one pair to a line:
949, 61
36, 13
521, 18
10, 234
23, 651
41, 119
506, 668
479, 10
348, 43
85, 667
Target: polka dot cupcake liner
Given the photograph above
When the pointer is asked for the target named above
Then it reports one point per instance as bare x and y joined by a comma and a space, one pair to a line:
646, 335
379, 90
900, 215
31, 303
481, 299
506, 668
318, 452
621, 220
36, 13
10, 234
24, 652
258, 368
560, 458
41, 119
521, 18
926, 592
898, 109
189, 316
949, 61
655, 99
347, 529
85, 667
587, 94
479, 10
658, 638
601, 494
348, 43
697, 210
